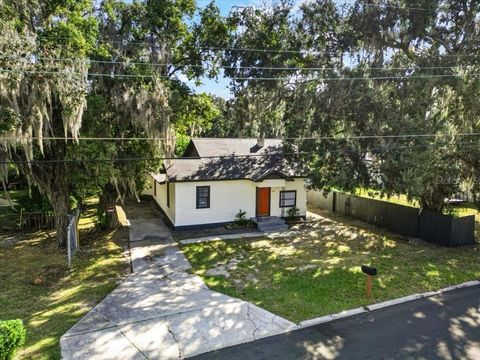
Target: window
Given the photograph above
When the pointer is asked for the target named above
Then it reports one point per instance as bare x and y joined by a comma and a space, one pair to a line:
168, 194
288, 198
203, 197
154, 188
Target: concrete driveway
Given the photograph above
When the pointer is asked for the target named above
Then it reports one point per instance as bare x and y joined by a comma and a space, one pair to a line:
161, 311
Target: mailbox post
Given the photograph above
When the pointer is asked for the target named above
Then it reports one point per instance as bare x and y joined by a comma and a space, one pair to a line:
369, 272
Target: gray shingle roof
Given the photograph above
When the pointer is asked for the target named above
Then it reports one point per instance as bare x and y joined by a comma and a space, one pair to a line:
216, 147
239, 159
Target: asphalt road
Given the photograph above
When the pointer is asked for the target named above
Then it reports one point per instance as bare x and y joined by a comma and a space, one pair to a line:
440, 327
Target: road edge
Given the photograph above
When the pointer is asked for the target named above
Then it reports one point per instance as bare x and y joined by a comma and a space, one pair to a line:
382, 305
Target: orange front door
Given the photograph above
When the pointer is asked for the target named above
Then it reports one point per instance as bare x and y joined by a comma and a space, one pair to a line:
263, 201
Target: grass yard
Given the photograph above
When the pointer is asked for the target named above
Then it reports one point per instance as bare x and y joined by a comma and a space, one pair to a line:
318, 272
49, 310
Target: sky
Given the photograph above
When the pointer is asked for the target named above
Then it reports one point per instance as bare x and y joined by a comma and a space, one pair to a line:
218, 87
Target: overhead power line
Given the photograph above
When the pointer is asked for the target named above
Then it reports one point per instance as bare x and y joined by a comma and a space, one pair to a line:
404, 77
285, 68
353, 137
381, 6
233, 156
45, 72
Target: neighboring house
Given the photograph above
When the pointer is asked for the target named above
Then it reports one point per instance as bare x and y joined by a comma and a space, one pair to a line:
216, 178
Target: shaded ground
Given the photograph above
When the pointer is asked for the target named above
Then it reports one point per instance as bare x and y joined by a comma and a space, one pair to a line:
161, 311
318, 271
209, 231
48, 310
441, 327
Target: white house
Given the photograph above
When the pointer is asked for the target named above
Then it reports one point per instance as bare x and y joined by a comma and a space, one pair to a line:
216, 178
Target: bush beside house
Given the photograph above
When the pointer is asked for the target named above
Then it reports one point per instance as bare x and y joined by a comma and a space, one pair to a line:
12, 337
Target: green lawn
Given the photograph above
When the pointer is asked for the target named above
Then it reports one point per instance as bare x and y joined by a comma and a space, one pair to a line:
318, 272
49, 310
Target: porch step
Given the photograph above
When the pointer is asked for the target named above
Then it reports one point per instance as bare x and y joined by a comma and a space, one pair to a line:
273, 228
270, 223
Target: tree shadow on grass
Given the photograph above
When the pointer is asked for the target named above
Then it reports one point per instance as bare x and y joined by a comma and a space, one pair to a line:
317, 272
50, 309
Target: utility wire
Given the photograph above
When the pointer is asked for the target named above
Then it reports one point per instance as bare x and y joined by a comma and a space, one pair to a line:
232, 156
260, 50
44, 72
127, 63
404, 77
318, 138
381, 6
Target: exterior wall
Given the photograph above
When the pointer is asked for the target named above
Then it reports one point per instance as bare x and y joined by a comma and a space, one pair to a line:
299, 185
161, 199
228, 197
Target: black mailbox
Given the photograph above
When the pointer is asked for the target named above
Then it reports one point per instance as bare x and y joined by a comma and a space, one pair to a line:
369, 270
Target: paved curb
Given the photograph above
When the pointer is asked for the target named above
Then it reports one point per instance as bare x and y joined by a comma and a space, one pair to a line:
385, 304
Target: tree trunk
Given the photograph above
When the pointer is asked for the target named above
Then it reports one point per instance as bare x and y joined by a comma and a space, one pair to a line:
61, 206
107, 207
434, 202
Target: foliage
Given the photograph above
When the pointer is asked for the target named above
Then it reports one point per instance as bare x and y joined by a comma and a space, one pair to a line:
9, 120
48, 46
33, 201
47, 97
240, 218
12, 337
293, 212
409, 76
452, 211
194, 116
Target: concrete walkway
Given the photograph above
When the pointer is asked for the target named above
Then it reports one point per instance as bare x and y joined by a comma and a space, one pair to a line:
161, 311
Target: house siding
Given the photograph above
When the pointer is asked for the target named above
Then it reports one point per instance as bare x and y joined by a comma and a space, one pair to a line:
227, 197
160, 197
299, 185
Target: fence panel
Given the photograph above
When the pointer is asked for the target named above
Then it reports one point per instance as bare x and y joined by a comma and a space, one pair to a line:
36, 220
404, 220
317, 199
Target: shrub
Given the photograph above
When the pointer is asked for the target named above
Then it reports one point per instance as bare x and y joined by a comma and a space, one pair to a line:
452, 211
240, 218
34, 202
293, 212
12, 337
